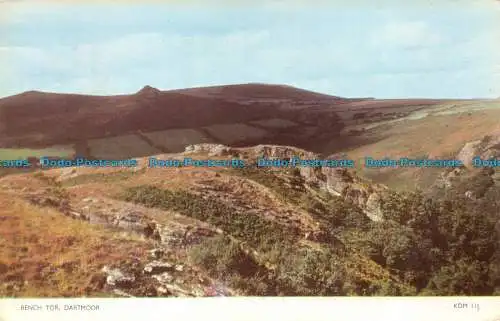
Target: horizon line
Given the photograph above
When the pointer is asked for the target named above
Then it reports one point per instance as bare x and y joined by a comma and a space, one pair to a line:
243, 84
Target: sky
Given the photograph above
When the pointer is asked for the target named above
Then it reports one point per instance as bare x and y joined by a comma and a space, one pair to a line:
382, 49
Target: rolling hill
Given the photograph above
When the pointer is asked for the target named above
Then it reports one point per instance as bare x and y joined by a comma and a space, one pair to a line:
152, 121
196, 231
42, 119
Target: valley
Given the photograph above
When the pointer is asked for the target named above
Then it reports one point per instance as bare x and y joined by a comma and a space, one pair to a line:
308, 230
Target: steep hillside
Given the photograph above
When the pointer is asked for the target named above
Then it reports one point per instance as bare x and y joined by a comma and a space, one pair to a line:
152, 122
198, 231
38, 119
439, 131
142, 123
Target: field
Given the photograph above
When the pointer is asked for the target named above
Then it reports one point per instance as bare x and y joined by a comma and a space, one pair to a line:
277, 123
233, 133
41, 252
21, 153
175, 140
439, 135
121, 147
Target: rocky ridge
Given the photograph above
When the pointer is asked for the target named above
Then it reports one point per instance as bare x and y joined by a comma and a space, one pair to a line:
487, 148
336, 181
168, 270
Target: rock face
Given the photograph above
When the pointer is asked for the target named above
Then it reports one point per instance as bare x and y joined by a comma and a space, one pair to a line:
282, 152
117, 278
337, 181
373, 210
342, 182
135, 222
468, 152
157, 267
158, 278
67, 173
487, 147
148, 92
184, 236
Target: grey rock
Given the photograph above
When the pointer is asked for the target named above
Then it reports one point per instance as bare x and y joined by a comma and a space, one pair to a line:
211, 149
117, 278
177, 290
157, 267
373, 207
468, 152
156, 253
163, 278
162, 290
282, 152
470, 195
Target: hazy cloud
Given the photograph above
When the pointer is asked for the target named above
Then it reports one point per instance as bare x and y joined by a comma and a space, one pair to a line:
406, 34
351, 52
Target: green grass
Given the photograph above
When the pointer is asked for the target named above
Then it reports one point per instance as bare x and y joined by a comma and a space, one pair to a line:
275, 182
259, 232
232, 133
99, 178
38, 243
177, 139
22, 153
121, 147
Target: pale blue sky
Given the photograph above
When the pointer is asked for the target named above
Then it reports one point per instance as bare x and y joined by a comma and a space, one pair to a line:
444, 49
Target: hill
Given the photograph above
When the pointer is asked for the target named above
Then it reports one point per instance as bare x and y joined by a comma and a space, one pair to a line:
38, 119
236, 115
259, 92
152, 121
201, 231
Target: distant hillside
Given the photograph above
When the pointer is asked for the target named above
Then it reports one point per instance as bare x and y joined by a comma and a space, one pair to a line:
151, 121
43, 119
258, 92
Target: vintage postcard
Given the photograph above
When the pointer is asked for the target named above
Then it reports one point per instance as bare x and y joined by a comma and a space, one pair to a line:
331, 153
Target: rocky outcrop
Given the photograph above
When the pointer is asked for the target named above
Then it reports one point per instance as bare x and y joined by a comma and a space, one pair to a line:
158, 278
148, 92
344, 183
184, 235
115, 277
487, 147
336, 181
210, 149
136, 222
157, 267
281, 152
373, 207
468, 152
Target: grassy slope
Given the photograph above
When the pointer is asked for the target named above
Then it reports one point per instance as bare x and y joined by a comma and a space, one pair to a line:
440, 136
19, 153
45, 254
40, 240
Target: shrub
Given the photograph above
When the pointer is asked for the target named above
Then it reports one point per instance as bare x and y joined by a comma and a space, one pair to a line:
261, 233
223, 257
311, 272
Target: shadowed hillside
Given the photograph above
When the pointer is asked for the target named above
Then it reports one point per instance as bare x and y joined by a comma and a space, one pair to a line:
152, 121
37, 119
